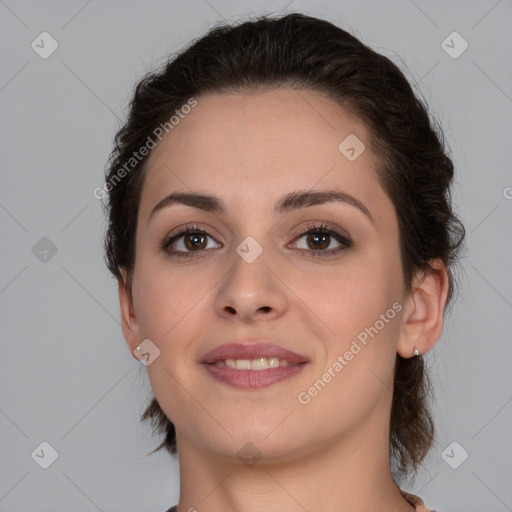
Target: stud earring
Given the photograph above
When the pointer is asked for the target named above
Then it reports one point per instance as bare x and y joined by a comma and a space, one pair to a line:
416, 352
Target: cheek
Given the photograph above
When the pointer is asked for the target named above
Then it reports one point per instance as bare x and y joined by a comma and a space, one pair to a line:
348, 298
170, 312
357, 372
356, 304
166, 300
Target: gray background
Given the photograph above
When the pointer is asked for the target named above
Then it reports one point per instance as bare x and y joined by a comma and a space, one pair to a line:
66, 375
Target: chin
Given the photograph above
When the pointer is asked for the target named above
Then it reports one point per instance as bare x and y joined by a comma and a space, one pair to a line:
257, 443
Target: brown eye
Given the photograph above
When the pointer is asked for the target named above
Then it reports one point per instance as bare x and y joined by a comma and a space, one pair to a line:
186, 242
318, 239
194, 241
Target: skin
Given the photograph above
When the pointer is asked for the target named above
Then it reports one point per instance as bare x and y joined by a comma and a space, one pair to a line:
331, 454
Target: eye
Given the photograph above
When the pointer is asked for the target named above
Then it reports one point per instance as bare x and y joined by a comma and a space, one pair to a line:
319, 237
186, 242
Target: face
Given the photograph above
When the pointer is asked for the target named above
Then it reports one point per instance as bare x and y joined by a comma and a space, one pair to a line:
320, 278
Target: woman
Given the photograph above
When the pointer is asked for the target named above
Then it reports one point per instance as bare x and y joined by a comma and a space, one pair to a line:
281, 229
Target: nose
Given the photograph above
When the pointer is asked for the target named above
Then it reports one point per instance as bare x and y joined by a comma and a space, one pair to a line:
251, 290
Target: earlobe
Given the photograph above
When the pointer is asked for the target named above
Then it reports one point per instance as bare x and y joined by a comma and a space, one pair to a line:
423, 318
129, 323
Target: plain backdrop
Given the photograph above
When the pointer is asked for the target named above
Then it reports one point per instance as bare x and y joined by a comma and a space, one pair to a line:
66, 375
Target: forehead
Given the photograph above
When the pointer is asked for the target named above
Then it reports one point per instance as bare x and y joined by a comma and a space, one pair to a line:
260, 144
280, 119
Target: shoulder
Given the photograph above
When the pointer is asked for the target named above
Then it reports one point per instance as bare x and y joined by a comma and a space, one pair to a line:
416, 501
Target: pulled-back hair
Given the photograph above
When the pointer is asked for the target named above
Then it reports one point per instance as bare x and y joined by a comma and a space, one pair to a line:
412, 165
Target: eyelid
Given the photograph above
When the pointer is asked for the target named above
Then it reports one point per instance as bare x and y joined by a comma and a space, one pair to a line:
340, 235
193, 227
179, 233
326, 227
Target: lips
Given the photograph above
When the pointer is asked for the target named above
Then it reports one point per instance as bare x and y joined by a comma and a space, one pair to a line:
252, 365
250, 352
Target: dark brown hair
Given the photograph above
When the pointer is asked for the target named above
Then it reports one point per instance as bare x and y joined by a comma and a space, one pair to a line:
413, 167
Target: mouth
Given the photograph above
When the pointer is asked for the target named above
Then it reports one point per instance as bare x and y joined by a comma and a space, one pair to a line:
252, 366
261, 363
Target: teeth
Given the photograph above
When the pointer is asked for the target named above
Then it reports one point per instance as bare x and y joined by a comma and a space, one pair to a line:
273, 362
262, 363
258, 364
243, 364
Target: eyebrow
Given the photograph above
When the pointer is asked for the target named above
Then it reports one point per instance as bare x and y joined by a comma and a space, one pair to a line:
288, 202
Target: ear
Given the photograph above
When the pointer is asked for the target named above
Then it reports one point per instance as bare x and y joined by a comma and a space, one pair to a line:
423, 318
129, 322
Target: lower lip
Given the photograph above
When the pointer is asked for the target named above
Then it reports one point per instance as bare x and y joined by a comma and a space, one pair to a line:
252, 379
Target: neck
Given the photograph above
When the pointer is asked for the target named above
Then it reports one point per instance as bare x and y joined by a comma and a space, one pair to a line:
348, 474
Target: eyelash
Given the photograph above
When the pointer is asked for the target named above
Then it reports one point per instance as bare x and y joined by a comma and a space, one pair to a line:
345, 242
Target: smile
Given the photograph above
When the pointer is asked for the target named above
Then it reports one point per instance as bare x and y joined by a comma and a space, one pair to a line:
262, 363
250, 365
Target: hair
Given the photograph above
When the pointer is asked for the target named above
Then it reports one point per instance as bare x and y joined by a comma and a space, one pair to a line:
413, 167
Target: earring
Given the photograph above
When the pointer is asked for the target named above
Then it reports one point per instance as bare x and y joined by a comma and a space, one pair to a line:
416, 352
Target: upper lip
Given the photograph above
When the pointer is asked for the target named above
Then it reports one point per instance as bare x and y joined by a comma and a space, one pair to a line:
251, 351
